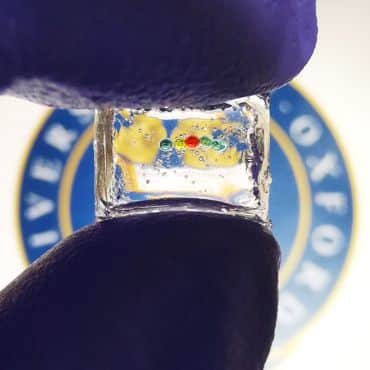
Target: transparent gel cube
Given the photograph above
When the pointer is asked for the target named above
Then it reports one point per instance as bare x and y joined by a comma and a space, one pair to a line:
213, 160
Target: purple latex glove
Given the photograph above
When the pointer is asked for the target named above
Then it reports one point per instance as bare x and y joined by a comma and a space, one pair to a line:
135, 294
151, 53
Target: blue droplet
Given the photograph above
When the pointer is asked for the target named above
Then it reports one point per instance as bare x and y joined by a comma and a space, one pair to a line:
217, 133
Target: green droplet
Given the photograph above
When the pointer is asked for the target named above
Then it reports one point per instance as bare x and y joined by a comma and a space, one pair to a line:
218, 145
206, 141
166, 145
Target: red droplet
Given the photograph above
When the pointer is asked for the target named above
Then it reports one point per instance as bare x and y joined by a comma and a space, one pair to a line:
192, 141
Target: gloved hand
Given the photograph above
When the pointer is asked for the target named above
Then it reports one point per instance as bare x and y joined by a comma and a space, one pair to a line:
130, 53
164, 292
179, 291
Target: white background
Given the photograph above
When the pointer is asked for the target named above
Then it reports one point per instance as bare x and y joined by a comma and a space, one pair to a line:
338, 77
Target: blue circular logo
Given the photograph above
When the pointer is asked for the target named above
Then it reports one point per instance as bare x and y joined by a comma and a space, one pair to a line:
311, 207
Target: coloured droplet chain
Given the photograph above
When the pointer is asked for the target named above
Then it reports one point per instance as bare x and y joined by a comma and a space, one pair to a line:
192, 142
